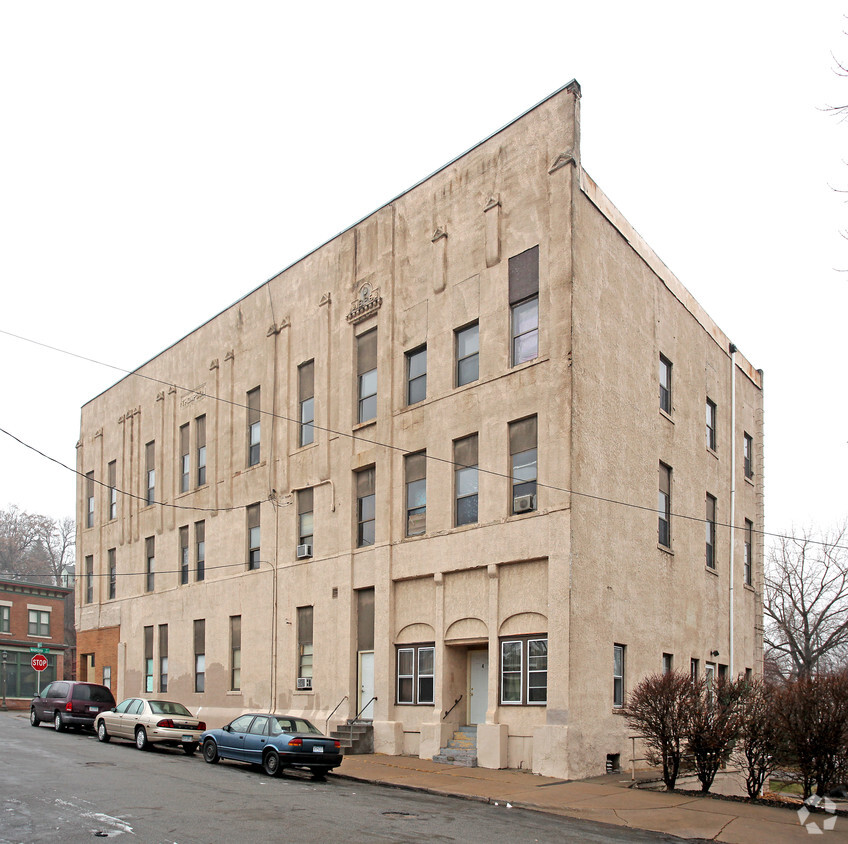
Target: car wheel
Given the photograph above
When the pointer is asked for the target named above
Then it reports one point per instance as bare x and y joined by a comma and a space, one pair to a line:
58, 723
271, 763
210, 751
141, 741
189, 747
318, 774
33, 718
102, 735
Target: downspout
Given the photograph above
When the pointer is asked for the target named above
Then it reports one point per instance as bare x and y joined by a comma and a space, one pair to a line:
731, 673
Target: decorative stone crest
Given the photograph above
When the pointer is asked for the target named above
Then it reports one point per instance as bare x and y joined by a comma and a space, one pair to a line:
367, 303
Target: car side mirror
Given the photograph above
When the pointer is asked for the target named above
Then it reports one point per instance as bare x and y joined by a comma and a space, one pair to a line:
227, 728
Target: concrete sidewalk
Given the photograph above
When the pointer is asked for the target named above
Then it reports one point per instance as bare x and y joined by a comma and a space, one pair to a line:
608, 799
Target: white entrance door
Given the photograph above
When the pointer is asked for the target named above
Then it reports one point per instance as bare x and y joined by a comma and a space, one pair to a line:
366, 684
478, 686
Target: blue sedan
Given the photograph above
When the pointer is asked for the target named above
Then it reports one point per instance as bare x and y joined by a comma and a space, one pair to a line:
274, 742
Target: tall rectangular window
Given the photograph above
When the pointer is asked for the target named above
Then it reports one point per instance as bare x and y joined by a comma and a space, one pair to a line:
107, 676
416, 669
665, 384
253, 537
467, 354
618, 675
664, 506
305, 522
5, 614
416, 493
667, 663
748, 455
113, 572
163, 657
113, 490
523, 455
366, 373
366, 509
465, 480
184, 555
416, 375
524, 670
304, 642
306, 398
253, 426
89, 580
185, 457
710, 522
200, 655
38, 623
200, 550
235, 653
150, 564
200, 445
148, 659
711, 425
150, 471
89, 499
524, 305
749, 551
694, 668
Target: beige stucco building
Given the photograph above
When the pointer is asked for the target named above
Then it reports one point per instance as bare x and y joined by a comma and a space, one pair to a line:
472, 461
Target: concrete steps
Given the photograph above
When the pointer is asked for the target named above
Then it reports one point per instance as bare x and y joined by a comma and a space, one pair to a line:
355, 737
461, 749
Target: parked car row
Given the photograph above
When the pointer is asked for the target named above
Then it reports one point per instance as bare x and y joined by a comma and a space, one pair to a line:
273, 741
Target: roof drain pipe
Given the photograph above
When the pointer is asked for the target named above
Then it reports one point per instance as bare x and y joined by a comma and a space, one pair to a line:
732, 493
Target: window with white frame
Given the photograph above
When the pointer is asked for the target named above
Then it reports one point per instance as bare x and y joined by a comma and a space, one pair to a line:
200, 448
200, 655
665, 384
524, 670
749, 551
748, 455
89, 580
89, 497
185, 457
254, 426
200, 550
524, 305
113, 572
148, 659
465, 477
467, 354
163, 657
618, 675
150, 563
366, 509
305, 522
150, 472
711, 425
253, 537
416, 493
710, 522
366, 376
113, 489
416, 674
184, 555
416, 375
5, 615
664, 507
305, 642
306, 402
524, 458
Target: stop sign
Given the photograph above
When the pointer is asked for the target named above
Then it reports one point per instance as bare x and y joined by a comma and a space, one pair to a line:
39, 662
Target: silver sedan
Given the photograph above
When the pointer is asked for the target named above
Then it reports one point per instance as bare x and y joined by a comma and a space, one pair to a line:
148, 722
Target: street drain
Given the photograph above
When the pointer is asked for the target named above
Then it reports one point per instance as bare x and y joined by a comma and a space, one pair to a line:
404, 815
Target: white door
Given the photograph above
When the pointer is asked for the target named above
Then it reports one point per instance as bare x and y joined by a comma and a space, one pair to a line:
478, 686
366, 684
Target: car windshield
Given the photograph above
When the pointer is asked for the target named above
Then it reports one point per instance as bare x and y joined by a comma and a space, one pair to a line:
292, 725
99, 694
168, 707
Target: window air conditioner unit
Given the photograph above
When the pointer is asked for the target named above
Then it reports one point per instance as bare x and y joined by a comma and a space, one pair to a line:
304, 682
523, 503
304, 551
416, 524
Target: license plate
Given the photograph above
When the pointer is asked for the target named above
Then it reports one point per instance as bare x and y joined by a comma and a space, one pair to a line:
93, 709
188, 738
317, 749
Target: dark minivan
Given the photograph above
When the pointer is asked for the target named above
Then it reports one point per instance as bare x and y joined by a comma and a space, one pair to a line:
67, 703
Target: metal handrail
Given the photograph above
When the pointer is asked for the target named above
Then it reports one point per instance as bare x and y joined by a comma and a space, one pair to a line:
327, 722
452, 708
363, 709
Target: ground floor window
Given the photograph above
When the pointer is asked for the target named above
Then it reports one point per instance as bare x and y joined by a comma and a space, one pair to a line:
21, 677
524, 670
416, 674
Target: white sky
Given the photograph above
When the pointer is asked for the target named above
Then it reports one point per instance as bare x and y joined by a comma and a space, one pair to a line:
160, 160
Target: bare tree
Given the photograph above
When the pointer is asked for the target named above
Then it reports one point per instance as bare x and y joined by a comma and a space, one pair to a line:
34, 547
806, 603
756, 750
18, 542
57, 539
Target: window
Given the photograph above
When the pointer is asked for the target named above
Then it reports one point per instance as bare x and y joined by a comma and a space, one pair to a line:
200, 654
664, 506
524, 305
107, 676
148, 659
185, 458
416, 493
200, 444
416, 375
748, 452
306, 398
89, 580
711, 531
4, 619
749, 551
524, 670
150, 468
150, 566
618, 675
465, 480
667, 663
304, 642
113, 490
253, 543
200, 550
467, 354
235, 653
710, 675
694, 668
416, 674
522, 449
184, 555
253, 426
39, 623
665, 384
366, 510
711, 425
163, 657
305, 522
89, 496
113, 572
366, 371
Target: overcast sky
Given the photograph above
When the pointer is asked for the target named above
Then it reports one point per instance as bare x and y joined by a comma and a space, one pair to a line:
160, 160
